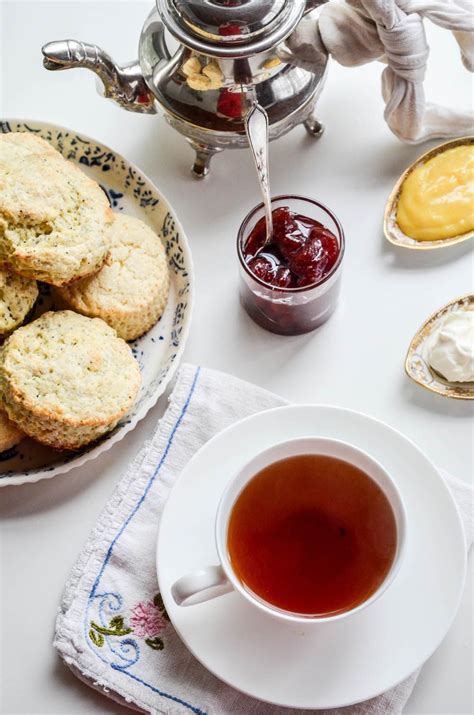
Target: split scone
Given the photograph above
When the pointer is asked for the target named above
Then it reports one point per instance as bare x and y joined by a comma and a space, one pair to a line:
131, 290
66, 379
10, 434
53, 218
17, 297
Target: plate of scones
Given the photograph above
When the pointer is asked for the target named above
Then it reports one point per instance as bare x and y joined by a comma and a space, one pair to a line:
96, 292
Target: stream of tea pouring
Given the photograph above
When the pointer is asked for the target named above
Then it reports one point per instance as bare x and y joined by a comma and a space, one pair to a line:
256, 126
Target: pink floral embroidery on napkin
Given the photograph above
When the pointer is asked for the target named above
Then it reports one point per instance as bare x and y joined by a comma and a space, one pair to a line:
147, 620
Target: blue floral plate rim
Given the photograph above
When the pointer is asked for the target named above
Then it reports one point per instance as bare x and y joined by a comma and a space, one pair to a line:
147, 199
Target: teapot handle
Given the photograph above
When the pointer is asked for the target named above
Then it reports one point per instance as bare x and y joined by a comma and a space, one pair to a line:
157, 30
152, 46
156, 61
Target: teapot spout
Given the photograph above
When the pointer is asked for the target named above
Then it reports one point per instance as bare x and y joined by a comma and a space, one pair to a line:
123, 84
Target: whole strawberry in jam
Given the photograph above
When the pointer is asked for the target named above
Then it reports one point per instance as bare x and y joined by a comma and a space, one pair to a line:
301, 253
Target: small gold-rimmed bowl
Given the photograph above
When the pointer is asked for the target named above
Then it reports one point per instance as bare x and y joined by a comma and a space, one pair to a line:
392, 230
416, 363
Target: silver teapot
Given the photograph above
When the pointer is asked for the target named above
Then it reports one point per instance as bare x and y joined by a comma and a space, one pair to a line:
226, 61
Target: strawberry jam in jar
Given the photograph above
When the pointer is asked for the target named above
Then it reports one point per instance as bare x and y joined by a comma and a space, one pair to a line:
291, 286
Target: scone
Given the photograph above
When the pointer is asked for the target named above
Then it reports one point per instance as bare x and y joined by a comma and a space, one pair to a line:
15, 145
53, 219
17, 297
131, 289
66, 379
10, 434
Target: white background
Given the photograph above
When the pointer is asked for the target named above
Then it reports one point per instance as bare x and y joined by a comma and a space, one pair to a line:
355, 360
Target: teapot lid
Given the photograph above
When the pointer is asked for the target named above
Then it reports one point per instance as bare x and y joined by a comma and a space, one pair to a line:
230, 28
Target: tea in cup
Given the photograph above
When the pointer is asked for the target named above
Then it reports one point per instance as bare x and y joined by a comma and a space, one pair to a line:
311, 529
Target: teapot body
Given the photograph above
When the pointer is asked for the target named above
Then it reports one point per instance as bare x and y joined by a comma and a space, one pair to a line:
206, 97
205, 89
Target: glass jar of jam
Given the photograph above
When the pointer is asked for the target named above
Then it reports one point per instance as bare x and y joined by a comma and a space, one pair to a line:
292, 285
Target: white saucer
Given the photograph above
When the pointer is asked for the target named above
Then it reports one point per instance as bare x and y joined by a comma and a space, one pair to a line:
319, 665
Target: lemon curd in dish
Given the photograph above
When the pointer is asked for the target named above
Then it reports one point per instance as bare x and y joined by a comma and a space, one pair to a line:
437, 198
312, 535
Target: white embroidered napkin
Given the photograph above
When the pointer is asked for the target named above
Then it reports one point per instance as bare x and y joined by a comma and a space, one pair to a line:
112, 629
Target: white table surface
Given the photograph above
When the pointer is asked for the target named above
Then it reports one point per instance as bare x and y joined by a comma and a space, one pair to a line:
355, 360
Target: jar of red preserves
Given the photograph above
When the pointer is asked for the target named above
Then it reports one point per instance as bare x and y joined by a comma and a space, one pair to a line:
292, 285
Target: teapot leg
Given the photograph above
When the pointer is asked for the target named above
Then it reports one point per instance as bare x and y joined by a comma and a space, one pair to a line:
204, 154
314, 127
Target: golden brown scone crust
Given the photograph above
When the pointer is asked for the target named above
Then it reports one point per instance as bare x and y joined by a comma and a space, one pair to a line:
53, 218
10, 434
17, 297
66, 379
16, 145
131, 290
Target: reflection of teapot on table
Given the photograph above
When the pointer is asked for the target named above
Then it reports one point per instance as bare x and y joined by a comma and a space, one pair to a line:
226, 60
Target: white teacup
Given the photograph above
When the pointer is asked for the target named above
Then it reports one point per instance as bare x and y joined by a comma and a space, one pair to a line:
213, 581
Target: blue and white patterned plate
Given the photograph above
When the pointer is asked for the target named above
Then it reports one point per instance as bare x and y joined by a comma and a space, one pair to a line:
159, 351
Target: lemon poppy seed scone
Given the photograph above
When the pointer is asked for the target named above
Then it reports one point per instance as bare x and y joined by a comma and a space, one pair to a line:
17, 297
53, 219
131, 290
66, 379
15, 145
10, 434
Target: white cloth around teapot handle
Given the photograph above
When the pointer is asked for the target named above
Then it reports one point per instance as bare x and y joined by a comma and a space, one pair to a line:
355, 32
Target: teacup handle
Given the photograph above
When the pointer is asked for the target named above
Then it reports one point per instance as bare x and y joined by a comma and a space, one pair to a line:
200, 586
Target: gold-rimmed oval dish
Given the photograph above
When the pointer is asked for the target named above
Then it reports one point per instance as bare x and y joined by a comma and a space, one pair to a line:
416, 363
393, 232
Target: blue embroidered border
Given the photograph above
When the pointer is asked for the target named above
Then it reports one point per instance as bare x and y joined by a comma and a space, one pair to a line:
93, 594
